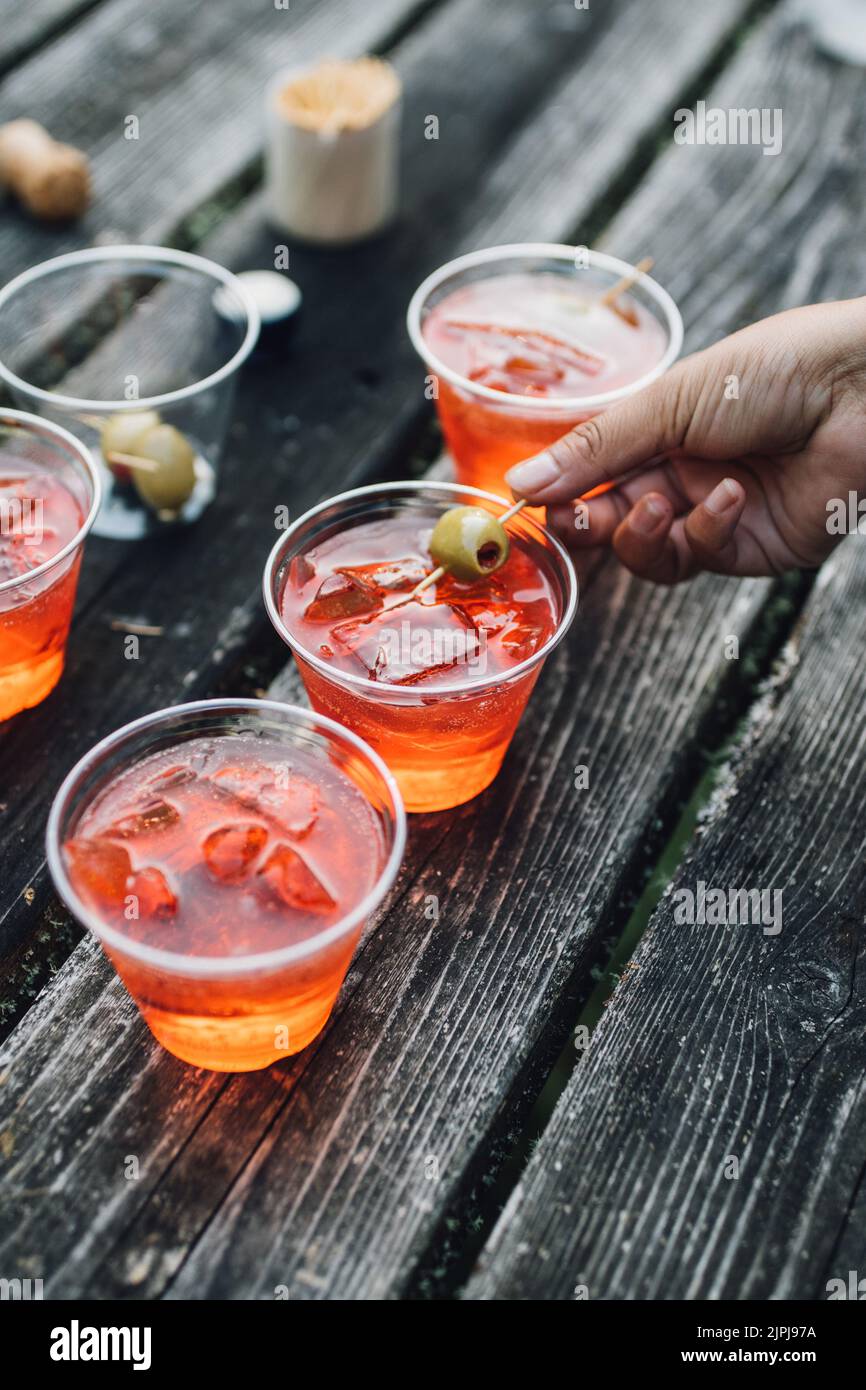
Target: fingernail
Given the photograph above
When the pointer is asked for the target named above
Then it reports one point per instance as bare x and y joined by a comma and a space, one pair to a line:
532, 474
648, 515
723, 496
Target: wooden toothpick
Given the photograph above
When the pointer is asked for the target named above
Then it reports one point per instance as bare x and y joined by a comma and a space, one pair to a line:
93, 422
425, 583
610, 296
513, 510
133, 461
136, 629
438, 573
116, 458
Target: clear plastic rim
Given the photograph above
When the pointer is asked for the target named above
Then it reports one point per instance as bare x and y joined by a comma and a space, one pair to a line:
166, 256
217, 966
537, 405
378, 688
35, 424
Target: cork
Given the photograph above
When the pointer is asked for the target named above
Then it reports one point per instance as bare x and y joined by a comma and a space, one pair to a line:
52, 180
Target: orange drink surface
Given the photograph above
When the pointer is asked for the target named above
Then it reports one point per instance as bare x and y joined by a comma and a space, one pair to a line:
221, 871
435, 682
522, 348
39, 516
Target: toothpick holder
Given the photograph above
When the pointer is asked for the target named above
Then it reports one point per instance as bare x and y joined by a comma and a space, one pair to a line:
332, 176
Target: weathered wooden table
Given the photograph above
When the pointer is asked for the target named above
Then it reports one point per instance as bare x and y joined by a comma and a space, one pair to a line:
452, 1133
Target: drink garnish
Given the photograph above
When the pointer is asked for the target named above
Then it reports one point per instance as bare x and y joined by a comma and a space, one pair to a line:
468, 542
139, 447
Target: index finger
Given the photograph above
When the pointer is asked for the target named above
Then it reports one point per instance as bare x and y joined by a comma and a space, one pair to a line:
630, 434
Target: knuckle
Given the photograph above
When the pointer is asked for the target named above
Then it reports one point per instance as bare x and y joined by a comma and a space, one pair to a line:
589, 437
675, 406
579, 447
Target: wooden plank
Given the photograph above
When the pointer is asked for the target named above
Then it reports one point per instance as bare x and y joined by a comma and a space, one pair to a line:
25, 27
194, 75
314, 1175
715, 1042
444, 1028
726, 1042
743, 234
302, 432
342, 420
439, 1107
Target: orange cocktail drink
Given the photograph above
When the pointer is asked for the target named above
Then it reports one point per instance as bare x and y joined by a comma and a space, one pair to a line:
437, 682
520, 348
227, 854
49, 496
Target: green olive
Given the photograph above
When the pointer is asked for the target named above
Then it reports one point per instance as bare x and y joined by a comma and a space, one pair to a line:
469, 542
121, 433
170, 484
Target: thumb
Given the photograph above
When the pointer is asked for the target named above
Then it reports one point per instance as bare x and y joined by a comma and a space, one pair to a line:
642, 428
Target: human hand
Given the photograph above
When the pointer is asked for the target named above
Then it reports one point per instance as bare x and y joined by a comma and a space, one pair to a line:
728, 461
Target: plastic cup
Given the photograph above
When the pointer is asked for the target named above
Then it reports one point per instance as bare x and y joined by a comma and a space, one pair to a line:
36, 607
123, 330
487, 431
444, 744
233, 1012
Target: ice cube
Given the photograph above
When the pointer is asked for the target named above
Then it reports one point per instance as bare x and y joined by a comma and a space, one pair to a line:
243, 780
497, 380
293, 801
341, 596
390, 575
275, 790
490, 615
102, 867
149, 819
176, 776
293, 881
487, 587
529, 349
508, 622
301, 571
230, 851
521, 639
155, 898
410, 642
14, 560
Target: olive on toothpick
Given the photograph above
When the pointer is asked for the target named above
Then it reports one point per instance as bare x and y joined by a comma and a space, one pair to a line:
119, 437
468, 542
170, 484
139, 447
120, 434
